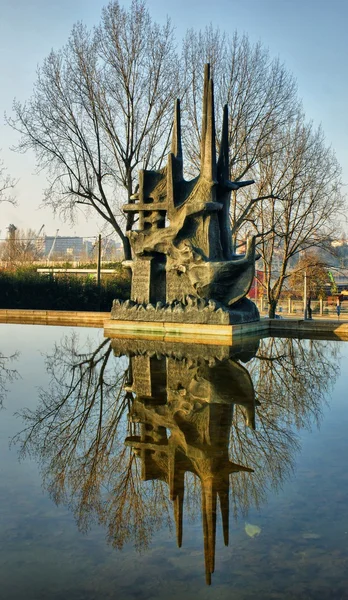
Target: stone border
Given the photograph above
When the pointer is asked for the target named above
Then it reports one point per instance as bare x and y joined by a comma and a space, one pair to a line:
183, 332
54, 317
314, 329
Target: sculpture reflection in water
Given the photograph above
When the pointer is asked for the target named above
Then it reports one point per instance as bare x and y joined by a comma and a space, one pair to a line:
122, 440
183, 400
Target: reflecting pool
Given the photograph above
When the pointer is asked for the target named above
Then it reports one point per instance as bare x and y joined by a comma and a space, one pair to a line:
140, 470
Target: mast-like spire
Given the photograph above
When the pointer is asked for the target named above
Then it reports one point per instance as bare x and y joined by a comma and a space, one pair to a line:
170, 184
172, 480
223, 192
204, 110
208, 167
223, 162
175, 161
176, 147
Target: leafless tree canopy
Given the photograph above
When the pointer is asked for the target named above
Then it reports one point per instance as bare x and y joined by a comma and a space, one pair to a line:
304, 204
262, 100
261, 95
100, 110
22, 249
77, 432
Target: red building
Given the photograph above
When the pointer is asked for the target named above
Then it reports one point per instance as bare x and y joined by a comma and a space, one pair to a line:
256, 289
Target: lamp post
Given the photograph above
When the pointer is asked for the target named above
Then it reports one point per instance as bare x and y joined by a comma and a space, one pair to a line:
99, 261
305, 316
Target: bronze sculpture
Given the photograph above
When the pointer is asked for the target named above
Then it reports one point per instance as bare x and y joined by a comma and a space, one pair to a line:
183, 266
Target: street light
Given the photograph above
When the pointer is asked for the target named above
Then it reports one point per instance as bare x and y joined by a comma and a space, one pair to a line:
305, 316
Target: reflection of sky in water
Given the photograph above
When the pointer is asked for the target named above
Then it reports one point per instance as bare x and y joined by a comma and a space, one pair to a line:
301, 551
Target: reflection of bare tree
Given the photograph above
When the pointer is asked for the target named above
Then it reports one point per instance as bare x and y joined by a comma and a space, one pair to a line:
292, 379
7, 374
77, 432
194, 420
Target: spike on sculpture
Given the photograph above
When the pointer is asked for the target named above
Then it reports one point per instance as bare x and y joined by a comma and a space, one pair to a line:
183, 266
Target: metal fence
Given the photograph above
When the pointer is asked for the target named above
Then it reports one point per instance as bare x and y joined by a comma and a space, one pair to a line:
295, 308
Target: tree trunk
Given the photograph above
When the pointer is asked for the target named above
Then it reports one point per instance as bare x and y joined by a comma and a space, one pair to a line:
127, 249
272, 308
130, 215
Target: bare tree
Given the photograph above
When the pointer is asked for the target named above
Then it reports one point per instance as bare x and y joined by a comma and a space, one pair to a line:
100, 111
21, 248
261, 96
316, 271
301, 187
7, 184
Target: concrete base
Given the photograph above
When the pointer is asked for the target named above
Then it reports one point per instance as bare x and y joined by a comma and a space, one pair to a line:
184, 332
227, 334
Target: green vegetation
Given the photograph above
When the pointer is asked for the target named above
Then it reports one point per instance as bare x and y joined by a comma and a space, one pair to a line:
24, 288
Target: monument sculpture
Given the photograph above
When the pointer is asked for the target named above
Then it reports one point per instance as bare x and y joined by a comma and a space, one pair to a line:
183, 399
183, 265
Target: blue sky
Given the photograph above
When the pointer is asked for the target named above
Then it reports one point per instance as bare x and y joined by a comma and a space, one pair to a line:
309, 36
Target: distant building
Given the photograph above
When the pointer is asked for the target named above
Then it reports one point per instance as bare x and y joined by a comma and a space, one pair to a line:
340, 277
65, 248
256, 289
75, 248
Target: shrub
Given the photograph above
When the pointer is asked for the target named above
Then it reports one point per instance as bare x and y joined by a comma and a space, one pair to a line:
27, 289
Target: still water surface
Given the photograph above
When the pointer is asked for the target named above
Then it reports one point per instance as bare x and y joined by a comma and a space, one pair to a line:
125, 468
